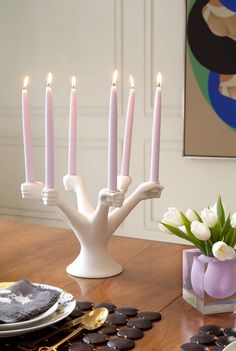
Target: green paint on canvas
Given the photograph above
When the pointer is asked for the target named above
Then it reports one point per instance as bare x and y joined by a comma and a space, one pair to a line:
201, 74
190, 4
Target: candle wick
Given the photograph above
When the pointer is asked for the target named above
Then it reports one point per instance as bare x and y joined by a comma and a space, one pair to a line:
114, 84
159, 85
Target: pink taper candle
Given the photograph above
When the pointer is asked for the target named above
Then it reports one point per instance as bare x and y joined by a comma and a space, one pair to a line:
112, 138
29, 174
156, 133
49, 136
72, 129
128, 131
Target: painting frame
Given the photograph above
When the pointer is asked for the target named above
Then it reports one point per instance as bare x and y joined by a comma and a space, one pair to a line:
209, 126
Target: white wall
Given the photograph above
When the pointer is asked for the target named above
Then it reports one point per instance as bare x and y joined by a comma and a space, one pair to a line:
89, 39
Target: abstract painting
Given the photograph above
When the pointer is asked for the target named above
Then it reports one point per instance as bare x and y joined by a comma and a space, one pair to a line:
210, 79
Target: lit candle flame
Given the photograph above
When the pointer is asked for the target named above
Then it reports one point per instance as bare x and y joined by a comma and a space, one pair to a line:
131, 79
25, 82
49, 79
115, 76
159, 79
73, 82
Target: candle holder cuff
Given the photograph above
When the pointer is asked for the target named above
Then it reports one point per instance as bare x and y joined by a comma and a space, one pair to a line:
156, 192
113, 198
32, 190
72, 182
50, 196
124, 183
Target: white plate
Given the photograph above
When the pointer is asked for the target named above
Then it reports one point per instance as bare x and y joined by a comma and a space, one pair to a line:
21, 324
66, 305
18, 325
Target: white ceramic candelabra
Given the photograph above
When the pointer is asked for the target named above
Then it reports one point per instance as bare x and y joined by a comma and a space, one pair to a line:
93, 227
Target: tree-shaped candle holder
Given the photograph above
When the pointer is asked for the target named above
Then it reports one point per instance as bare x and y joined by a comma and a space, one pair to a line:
93, 226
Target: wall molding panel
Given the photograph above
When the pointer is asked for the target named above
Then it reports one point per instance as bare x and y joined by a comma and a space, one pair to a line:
132, 36
149, 78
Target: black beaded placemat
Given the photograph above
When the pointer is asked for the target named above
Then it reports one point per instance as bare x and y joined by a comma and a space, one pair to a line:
122, 327
210, 338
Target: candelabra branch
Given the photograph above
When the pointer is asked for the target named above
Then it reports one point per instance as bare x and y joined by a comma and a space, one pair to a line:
76, 184
77, 221
144, 191
51, 197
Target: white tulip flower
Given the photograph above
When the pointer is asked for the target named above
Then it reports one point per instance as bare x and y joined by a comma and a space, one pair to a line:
209, 217
222, 251
191, 215
233, 220
173, 217
214, 208
200, 230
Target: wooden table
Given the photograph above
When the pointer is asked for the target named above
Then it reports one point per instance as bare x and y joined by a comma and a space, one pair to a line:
152, 278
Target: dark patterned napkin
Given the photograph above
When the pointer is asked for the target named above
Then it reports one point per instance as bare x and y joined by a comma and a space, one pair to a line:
23, 300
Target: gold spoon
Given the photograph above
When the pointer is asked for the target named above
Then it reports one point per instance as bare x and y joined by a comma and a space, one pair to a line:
89, 321
29, 346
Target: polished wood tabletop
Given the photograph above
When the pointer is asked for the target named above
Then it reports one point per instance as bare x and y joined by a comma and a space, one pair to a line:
151, 280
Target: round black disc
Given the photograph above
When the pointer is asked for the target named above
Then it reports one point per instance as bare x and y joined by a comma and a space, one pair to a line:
117, 319
81, 346
193, 347
109, 329
95, 338
111, 308
203, 339
84, 305
131, 333
121, 344
127, 311
140, 323
230, 332
210, 329
77, 312
152, 316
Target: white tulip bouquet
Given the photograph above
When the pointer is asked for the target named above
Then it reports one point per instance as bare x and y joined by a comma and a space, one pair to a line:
211, 232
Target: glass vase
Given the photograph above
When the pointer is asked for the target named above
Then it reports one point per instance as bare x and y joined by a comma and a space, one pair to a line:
209, 285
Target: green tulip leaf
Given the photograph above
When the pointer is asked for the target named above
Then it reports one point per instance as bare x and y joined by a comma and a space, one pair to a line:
233, 238
228, 237
186, 222
214, 233
198, 217
199, 244
208, 247
220, 213
226, 228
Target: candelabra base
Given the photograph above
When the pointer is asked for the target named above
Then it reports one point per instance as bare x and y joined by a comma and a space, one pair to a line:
94, 263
